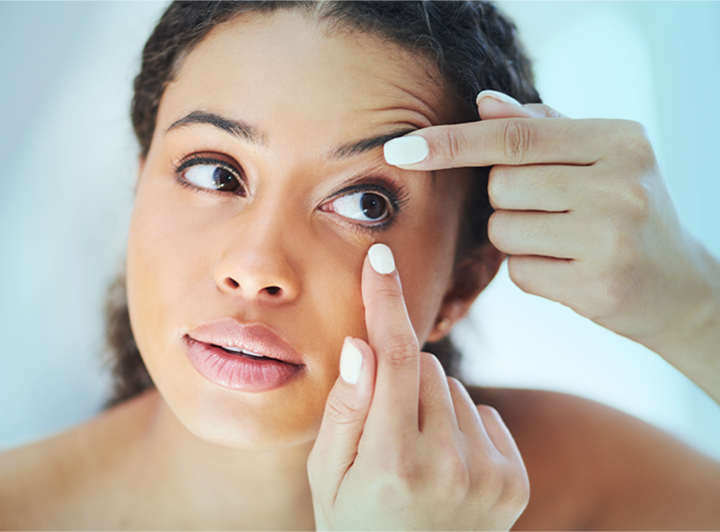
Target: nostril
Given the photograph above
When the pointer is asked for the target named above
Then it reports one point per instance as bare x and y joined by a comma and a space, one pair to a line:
272, 290
232, 283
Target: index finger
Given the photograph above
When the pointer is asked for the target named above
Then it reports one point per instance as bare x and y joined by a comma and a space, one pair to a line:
392, 338
506, 141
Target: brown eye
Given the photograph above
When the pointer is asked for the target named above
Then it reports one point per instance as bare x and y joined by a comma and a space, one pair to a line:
362, 206
373, 206
211, 175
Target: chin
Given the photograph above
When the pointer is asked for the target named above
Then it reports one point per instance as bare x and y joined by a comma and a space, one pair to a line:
263, 421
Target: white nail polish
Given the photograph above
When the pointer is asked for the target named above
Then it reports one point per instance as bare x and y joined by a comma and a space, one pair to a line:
381, 258
410, 149
350, 362
497, 96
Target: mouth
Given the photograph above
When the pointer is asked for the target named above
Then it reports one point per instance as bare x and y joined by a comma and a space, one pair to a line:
241, 352
251, 358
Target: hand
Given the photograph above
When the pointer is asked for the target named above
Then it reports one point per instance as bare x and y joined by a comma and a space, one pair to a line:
582, 210
401, 446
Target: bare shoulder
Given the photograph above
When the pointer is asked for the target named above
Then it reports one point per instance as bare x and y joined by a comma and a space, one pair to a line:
593, 467
45, 484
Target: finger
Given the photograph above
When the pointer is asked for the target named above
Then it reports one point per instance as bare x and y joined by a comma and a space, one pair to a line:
562, 280
553, 279
392, 338
559, 235
436, 411
493, 104
550, 188
345, 413
509, 141
498, 432
466, 413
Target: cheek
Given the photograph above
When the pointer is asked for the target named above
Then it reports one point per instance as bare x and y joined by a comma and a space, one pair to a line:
173, 253
163, 258
425, 260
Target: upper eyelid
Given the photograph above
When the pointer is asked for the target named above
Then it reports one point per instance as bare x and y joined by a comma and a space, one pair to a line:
200, 158
395, 194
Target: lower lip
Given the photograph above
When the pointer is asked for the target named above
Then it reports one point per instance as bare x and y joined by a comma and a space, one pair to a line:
238, 372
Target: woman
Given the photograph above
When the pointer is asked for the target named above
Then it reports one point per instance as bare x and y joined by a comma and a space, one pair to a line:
265, 255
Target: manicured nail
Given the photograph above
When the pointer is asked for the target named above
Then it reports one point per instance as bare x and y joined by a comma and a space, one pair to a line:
381, 259
406, 150
501, 96
351, 361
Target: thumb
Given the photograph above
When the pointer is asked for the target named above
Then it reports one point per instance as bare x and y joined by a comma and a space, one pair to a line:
494, 104
342, 425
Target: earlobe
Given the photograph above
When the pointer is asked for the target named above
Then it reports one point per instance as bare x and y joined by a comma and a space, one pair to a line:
471, 277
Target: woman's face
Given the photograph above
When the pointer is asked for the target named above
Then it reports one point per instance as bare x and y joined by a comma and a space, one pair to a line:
262, 191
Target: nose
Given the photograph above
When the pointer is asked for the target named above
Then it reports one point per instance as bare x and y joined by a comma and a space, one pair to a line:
257, 262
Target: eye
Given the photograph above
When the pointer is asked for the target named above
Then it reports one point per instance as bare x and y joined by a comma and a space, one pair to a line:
211, 174
362, 206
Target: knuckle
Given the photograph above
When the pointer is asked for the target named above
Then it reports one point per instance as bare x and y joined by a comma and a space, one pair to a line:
498, 230
516, 490
499, 186
389, 291
520, 272
456, 475
400, 349
632, 138
396, 479
636, 201
340, 409
452, 145
519, 138
612, 293
505, 487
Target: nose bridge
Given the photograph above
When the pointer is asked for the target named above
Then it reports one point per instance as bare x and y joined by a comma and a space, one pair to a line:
258, 261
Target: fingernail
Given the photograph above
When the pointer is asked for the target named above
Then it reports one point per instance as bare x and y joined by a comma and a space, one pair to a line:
501, 96
406, 150
381, 258
350, 362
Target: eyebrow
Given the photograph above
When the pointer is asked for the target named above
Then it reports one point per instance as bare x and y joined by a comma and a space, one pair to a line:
237, 128
365, 145
248, 133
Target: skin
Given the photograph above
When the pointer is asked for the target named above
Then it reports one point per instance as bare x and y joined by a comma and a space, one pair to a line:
188, 456
582, 208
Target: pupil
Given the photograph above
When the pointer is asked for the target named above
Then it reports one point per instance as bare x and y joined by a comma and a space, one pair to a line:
224, 180
373, 206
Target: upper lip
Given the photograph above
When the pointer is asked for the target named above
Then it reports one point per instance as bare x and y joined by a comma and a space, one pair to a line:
255, 338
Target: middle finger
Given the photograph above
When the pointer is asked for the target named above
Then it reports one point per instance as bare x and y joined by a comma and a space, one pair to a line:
550, 188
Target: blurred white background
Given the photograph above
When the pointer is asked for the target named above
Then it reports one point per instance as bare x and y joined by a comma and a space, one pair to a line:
69, 157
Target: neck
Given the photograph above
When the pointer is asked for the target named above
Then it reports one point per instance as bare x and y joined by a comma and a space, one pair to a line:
214, 487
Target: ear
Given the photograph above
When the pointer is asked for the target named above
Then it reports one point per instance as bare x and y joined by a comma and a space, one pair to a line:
471, 277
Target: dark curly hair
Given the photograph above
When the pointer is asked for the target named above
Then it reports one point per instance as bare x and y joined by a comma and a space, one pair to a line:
474, 46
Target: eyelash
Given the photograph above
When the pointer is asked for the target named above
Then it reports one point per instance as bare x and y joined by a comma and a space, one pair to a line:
191, 160
396, 194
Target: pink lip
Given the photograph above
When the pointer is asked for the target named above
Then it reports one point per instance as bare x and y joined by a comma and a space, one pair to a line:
236, 371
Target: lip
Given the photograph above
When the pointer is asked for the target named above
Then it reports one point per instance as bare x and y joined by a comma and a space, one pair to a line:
235, 371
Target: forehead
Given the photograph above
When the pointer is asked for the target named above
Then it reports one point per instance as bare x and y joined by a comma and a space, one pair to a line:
285, 67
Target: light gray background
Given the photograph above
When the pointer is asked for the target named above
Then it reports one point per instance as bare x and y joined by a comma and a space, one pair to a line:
69, 162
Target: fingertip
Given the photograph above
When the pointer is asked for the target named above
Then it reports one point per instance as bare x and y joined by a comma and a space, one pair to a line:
497, 96
381, 259
493, 105
351, 361
407, 150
